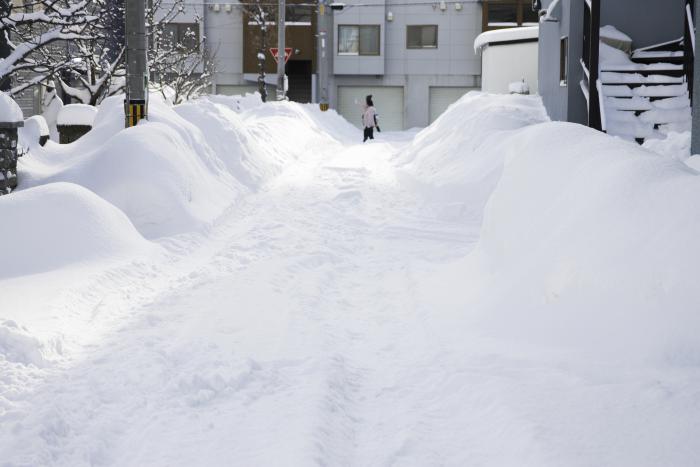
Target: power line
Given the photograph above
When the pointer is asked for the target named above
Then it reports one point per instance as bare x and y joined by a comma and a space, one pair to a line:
315, 4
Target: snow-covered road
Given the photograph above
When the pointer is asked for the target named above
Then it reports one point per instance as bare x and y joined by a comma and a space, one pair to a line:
315, 323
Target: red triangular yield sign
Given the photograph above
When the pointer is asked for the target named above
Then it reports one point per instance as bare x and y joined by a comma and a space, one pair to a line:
287, 53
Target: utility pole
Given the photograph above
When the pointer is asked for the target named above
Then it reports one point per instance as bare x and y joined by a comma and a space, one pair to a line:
136, 102
324, 26
280, 50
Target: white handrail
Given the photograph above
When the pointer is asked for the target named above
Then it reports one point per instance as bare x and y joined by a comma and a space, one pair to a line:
601, 102
550, 11
585, 69
584, 89
691, 25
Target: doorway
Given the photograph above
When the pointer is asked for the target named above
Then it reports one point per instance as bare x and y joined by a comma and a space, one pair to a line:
299, 76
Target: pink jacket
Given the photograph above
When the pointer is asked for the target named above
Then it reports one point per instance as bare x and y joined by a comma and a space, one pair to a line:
368, 117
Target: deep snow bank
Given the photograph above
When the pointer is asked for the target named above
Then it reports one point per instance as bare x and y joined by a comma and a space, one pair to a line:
59, 224
162, 174
256, 141
463, 145
591, 242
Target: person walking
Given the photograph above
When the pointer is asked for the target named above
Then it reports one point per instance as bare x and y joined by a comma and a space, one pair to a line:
369, 119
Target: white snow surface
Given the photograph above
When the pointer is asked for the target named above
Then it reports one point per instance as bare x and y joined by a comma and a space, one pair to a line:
34, 128
10, 111
611, 32
232, 283
77, 114
505, 35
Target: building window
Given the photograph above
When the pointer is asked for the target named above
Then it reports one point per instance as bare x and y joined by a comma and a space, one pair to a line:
499, 14
422, 37
181, 35
563, 61
358, 39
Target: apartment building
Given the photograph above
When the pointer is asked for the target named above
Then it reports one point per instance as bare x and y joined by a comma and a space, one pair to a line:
414, 57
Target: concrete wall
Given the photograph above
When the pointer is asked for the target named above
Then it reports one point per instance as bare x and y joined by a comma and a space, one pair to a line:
224, 33
361, 64
452, 63
647, 22
502, 64
454, 54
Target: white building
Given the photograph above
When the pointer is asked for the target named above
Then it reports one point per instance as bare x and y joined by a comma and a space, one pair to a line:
414, 58
508, 56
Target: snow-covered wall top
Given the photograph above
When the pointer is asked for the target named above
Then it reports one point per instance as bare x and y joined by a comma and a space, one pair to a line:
77, 114
9, 110
505, 35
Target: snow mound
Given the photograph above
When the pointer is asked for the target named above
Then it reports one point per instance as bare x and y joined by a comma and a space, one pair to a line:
77, 114
19, 346
9, 110
246, 157
34, 128
459, 153
590, 242
58, 224
675, 145
238, 103
611, 32
162, 174
257, 141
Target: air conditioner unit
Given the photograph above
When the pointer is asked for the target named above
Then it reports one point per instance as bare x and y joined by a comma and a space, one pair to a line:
458, 7
443, 6
228, 8
217, 7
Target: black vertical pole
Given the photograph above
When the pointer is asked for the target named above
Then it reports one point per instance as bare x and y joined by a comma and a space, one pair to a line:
694, 83
594, 101
5, 50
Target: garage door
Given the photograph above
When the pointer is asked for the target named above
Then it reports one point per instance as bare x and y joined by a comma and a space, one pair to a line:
442, 97
387, 99
235, 90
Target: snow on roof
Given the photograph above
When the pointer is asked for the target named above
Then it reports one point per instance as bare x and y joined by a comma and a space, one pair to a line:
505, 35
10, 112
77, 114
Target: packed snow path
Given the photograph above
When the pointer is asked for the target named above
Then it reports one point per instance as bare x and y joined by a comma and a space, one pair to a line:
299, 330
